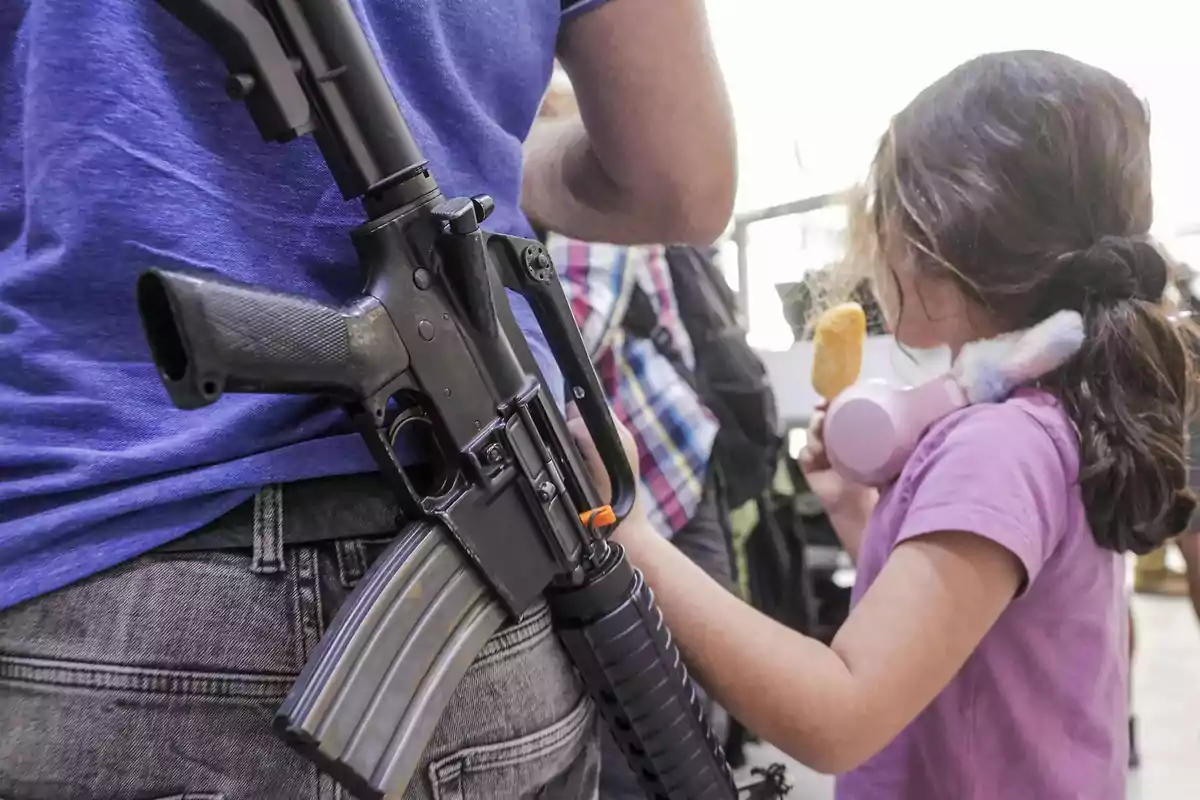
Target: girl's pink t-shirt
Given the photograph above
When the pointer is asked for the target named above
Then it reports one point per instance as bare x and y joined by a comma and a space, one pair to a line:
1039, 710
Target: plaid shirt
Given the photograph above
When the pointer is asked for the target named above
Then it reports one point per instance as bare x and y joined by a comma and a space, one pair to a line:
673, 429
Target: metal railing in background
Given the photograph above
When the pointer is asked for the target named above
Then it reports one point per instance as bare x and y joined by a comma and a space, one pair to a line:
741, 237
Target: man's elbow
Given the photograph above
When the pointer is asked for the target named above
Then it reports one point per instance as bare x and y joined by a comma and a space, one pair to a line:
698, 205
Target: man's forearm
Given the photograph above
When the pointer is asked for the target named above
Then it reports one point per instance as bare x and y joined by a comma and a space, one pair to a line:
567, 190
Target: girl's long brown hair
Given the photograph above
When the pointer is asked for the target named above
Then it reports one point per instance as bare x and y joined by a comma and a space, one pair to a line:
1025, 177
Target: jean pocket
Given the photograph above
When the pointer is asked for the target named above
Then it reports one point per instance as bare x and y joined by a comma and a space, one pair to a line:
57, 677
85, 731
559, 762
54, 791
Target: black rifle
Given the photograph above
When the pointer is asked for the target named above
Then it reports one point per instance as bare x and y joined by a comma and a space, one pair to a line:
504, 512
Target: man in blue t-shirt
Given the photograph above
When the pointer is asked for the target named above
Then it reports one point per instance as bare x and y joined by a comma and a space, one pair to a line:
164, 575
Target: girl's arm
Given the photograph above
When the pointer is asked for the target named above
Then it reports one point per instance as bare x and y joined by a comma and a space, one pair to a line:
833, 707
972, 531
850, 518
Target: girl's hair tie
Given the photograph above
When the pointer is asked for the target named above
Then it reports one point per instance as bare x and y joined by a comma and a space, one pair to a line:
1112, 270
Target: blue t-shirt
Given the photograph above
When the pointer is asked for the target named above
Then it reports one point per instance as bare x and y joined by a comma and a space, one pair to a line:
119, 151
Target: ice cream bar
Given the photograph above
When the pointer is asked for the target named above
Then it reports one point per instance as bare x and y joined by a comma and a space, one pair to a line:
838, 341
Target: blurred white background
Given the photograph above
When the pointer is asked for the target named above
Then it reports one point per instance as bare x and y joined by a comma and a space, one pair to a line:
813, 85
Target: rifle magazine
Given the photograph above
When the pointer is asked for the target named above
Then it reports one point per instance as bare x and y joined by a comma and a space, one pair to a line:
368, 701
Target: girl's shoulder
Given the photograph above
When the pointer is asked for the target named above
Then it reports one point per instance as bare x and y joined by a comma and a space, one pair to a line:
1005, 471
1029, 427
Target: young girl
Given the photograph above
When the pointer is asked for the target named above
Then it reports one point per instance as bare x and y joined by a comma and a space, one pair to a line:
986, 653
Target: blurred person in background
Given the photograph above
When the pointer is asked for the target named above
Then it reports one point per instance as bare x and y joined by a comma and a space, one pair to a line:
1189, 541
1152, 573
165, 575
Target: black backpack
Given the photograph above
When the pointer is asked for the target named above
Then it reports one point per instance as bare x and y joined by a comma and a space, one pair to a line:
729, 378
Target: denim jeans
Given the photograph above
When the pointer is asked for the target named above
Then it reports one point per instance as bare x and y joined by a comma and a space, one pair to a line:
159, 679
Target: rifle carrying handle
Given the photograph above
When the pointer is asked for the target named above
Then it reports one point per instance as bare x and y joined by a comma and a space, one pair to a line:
525, 266
210, 334
637, 679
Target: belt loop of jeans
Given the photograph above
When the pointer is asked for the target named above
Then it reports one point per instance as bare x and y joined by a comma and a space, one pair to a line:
267, 557
351, 561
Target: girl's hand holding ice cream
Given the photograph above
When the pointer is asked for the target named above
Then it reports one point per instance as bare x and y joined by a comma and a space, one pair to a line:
838, 340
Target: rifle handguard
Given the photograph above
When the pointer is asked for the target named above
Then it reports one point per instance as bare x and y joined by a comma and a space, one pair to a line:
637, 679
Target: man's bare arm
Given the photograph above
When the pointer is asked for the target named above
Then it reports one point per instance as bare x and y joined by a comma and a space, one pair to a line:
651, 158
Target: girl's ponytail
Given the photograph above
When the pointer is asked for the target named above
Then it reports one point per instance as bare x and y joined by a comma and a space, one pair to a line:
1128, 391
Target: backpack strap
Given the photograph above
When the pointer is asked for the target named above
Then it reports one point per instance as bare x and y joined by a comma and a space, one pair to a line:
620, 306
700, 289
641, 321
729, 377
